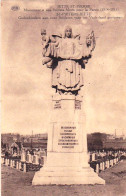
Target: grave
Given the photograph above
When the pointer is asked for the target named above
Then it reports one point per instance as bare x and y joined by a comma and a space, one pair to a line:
23, 156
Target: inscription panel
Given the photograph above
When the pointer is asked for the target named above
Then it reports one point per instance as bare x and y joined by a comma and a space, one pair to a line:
57, 104
77, 104
67, 137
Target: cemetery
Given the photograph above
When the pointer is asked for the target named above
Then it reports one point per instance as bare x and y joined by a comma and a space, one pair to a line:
17, 173
98, 160
71, 157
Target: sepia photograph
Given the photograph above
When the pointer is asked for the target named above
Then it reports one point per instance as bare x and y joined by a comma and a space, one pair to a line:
63, 98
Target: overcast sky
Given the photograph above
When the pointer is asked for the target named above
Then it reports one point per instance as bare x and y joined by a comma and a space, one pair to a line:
26, 84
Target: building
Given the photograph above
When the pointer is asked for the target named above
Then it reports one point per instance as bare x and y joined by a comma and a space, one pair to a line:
95, 141
13, 143
114, 144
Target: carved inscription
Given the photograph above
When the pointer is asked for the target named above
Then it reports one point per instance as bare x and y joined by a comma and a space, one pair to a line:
68, 137
77, 104
57, 104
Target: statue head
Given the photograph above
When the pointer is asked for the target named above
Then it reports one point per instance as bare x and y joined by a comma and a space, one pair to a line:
43, 31
68, 32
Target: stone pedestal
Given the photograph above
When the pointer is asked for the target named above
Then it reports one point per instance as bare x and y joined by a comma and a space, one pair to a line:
67, 158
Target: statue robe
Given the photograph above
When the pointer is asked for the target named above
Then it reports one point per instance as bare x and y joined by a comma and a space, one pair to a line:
67, 70
66, 59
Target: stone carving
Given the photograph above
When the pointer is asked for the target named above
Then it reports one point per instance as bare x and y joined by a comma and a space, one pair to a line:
66, 56
67, 158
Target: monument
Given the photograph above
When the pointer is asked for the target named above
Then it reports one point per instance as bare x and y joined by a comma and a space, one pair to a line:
67, 158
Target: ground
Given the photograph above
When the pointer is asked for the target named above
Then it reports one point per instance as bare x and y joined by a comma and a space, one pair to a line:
17, 183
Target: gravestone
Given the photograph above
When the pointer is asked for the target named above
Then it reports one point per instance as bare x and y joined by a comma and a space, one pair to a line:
108, 165
114, 161
23, 159
35, 159
30, 158
93, 156
44, 159
67, 157
97, 168
6, 163
16, 164
24, 167
11, 163
2, 160
20, 167
27, 157
103, 166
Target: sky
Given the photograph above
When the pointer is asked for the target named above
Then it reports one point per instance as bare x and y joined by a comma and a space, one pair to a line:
26, 84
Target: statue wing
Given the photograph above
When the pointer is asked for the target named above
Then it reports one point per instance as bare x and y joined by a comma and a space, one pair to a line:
90, 41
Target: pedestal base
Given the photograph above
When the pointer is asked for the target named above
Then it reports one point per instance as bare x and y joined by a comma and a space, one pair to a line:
67, 160
66, 176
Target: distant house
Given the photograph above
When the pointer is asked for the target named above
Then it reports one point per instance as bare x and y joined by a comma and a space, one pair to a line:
35, 145
95, 141
7, 140
114, 144
99, 141
16, 148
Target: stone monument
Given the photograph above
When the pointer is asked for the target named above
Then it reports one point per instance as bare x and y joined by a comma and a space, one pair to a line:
67, 158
